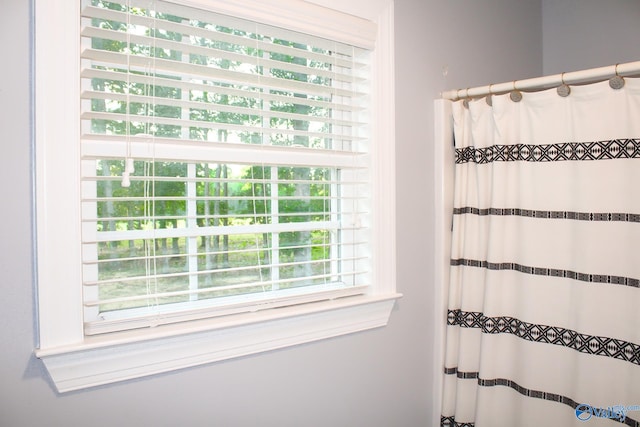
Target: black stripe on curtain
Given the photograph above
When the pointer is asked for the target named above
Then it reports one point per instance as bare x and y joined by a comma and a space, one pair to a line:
538, 214
451, 422
536, 394
542, 271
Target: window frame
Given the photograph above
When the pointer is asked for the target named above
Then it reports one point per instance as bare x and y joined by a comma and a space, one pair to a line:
76, 361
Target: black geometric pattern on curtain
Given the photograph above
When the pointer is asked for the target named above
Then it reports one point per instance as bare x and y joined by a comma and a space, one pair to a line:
598, 150
553, 272
451, 422
584, 343
537, 394
539, 214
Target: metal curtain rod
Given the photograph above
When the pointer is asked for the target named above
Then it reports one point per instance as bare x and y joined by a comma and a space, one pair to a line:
540, 83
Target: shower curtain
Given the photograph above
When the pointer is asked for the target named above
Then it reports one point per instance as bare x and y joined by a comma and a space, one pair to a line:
543, 316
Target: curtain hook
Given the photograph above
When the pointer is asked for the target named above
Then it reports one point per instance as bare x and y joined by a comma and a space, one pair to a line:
489, 97
617, 81
466, 99
515, 95
563, 90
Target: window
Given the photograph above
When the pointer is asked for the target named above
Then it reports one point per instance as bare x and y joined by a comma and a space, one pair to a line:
212, 180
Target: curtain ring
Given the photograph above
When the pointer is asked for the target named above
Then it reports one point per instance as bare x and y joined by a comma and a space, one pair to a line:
616, 82
515, 95
466, 99
563, 90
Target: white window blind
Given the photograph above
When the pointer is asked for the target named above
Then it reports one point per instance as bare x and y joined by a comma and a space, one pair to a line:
224, 165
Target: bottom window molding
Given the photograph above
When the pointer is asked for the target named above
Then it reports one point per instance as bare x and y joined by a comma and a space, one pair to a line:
134, 354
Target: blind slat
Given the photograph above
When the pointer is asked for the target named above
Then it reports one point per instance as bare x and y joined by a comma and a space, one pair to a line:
258, 198
209, 217
204, 291
210, 106
210, 52
230, 230
169, 149
156, 120
253, 93
153, 277
186, 179
219, 252
142, 64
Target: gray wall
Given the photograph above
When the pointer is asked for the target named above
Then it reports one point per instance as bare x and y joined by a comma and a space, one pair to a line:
476, 43
376, 378
581, 34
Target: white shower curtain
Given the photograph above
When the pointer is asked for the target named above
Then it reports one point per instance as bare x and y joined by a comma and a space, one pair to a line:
543, 324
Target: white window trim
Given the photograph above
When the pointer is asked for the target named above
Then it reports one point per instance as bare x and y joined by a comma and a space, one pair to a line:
75, 361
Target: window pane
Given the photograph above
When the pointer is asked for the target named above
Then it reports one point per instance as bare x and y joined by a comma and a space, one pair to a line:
183, 232
220, 224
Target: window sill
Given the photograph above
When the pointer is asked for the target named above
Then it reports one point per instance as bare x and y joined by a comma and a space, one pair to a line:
121, 356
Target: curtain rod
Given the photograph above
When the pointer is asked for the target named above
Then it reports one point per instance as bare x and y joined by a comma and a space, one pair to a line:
540, 83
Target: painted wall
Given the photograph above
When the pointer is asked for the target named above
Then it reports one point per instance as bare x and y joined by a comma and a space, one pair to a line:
443, 45
582, 34
377, 378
